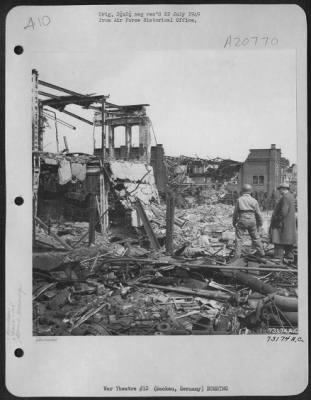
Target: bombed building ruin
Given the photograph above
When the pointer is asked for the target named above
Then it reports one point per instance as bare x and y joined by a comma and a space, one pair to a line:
131, 241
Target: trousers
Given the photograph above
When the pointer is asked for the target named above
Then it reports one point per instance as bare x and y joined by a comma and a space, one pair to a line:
247, 223
281, 250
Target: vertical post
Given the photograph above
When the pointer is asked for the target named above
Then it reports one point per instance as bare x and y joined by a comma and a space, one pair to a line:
91, 184
142, 141
111, 141
103, 194
33, 220
159, 171
92, 217
105, 215
145, 137
103, 130
66, 143
113, 137
129, 147
170, 214
35, 189
93, 133
56, 133
128, 140
35, 146
40, 142
35, 111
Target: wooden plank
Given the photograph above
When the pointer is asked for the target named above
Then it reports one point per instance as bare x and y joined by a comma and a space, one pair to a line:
92, 218
46, 228
151, 235
212, 294
170, 214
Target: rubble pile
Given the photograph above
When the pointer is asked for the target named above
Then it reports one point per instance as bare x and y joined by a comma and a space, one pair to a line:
204, 228
70, 234
98, 291
122, 285
193, 196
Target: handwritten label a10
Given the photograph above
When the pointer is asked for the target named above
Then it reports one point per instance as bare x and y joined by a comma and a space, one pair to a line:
41, 21
251, 41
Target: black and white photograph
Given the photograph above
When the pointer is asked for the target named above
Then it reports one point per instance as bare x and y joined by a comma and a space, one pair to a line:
173, 214
166, 158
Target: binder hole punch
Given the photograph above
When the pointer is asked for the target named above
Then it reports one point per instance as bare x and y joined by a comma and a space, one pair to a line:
18, 50
19, 200
19, 353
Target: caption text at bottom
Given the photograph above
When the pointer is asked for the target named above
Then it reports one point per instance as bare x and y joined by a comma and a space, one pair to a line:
145, 388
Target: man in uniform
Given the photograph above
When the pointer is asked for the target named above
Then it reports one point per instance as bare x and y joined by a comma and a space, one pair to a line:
283, 224
247, 217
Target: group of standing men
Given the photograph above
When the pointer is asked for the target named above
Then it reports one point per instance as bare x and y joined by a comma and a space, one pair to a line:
247, 217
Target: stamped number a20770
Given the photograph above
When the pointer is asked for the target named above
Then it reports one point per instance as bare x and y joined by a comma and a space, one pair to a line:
251, 41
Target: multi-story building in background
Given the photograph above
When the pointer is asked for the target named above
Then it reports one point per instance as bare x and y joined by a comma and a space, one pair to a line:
264, 170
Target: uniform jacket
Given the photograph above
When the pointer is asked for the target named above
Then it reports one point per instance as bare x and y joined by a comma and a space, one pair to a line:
283, 222
246, 203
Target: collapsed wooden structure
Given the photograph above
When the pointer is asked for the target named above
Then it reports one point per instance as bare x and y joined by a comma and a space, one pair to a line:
108, 116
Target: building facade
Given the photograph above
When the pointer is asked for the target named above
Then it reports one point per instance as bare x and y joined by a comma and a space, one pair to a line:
262, 169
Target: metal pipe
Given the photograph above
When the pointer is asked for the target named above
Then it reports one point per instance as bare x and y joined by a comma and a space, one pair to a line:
253, 283
216, 295
239, 268
289, 304
77, 116
60, 121
292, 317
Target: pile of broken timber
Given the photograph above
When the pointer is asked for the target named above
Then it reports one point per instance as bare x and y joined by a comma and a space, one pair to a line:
97, 291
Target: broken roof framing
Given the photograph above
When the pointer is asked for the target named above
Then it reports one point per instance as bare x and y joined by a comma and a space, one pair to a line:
107, 114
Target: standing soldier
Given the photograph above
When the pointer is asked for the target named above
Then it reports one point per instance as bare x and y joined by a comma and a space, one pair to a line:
272, 200
247, 217
283, 224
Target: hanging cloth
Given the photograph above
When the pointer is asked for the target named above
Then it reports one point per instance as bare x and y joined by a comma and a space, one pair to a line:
64, 172
78, 171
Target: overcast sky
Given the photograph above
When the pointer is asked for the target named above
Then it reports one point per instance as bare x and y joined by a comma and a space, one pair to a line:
205, 99
205, 103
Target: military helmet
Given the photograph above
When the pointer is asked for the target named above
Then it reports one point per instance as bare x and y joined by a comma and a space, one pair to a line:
284, 185
247, 188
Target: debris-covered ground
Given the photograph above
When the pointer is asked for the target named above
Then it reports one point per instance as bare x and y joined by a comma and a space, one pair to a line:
121, 286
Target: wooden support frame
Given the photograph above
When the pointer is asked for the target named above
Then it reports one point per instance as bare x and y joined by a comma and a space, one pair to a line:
103, 193
128, 140
111, 142
170, 216
151, 235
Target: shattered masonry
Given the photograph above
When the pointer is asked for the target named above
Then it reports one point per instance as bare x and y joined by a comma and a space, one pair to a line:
121, 286
116, 253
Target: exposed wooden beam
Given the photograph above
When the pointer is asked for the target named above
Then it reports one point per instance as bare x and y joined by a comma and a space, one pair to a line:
71, 92
53, 96
77, 117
